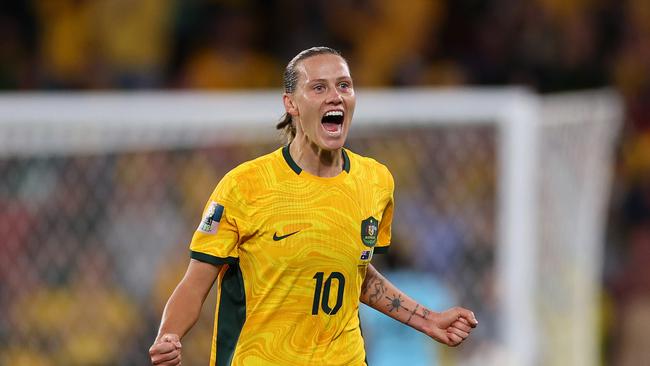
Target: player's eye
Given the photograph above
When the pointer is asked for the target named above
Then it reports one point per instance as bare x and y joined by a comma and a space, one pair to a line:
319, 88
345, 86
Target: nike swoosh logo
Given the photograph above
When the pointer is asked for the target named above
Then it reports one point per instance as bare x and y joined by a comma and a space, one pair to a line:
277, 238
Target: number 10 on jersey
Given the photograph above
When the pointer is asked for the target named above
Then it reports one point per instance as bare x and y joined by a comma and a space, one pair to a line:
322, 292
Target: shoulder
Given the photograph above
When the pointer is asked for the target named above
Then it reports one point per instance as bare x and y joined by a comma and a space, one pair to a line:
370, 170
255, 174
254, 168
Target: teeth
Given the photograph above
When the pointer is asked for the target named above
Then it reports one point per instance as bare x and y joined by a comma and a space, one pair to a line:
334, 113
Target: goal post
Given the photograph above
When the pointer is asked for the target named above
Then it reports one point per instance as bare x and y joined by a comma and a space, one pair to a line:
523, 179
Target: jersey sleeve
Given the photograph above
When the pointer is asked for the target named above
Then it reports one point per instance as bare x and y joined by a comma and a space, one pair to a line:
217, 236
383, 239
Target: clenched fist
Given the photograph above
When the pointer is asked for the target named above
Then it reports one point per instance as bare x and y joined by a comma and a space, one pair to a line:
166, 350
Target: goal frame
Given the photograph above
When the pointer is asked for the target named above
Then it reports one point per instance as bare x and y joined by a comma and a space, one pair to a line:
98, 122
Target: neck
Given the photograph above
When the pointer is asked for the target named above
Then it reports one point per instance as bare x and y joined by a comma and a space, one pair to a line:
315, 160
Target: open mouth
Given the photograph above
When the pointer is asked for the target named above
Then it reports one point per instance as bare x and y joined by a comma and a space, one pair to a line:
332, 121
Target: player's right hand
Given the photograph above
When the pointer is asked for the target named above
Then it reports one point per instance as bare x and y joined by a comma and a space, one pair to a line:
166, 350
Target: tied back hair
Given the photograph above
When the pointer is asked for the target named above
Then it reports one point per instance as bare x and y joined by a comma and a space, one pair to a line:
290, 80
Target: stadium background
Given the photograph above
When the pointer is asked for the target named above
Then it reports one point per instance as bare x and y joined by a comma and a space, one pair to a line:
96, 300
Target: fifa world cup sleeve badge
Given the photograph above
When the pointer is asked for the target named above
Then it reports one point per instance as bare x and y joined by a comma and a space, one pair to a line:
210, 221
369, 231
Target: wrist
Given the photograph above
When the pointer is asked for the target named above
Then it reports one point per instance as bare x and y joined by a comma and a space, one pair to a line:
422, 319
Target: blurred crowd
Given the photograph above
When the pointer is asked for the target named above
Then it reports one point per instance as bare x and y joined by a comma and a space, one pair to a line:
548, 45
107, 44
91, 248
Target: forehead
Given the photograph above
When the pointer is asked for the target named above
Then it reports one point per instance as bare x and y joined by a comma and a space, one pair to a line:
324, 66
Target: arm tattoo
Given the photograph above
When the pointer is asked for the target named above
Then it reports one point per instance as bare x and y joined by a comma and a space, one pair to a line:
395, 303
377, 287
413, 313
425, 313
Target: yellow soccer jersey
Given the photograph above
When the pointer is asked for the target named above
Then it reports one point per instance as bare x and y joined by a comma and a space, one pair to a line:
296, 247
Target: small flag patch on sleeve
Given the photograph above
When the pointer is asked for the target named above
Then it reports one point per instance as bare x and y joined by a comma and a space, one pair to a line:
366, 255
210, 221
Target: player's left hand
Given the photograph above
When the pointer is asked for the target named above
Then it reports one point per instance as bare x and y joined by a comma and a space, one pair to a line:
453, 326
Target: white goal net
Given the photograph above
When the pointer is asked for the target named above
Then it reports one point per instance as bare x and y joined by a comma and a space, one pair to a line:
500, 202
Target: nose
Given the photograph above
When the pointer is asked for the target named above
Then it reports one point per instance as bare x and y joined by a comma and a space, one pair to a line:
334, 97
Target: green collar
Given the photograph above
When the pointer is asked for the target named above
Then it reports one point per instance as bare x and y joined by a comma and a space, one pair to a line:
298, 170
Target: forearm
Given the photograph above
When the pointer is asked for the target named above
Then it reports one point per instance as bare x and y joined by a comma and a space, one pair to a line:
181, 312
184, 305
378, 293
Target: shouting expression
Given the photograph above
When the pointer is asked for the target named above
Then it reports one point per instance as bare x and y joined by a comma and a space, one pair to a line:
323, 102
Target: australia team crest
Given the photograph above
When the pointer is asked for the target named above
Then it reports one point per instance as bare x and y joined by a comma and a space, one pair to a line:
369, 231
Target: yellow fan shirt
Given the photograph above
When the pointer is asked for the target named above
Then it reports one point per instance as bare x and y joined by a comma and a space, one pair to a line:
296, 248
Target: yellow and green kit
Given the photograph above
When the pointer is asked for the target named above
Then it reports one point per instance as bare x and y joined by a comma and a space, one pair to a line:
295, 248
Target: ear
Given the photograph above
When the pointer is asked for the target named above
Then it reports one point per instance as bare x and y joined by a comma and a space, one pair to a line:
290, 105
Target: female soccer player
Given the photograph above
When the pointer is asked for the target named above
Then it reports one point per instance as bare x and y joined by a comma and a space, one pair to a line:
289, 237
